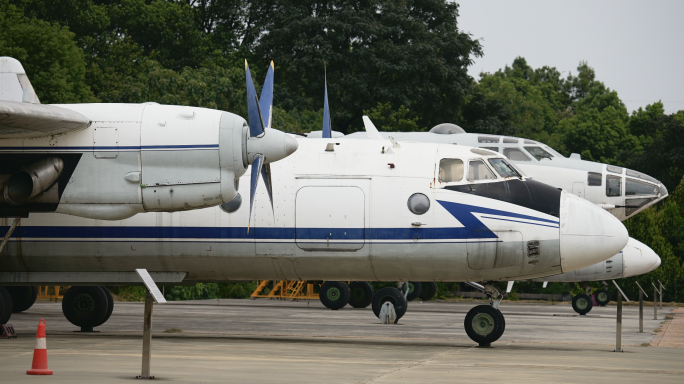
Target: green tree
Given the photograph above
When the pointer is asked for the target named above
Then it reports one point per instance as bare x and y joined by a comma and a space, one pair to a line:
49, 54
387, 119
408, 53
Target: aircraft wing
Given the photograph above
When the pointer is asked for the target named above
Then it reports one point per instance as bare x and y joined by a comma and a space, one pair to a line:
25, 120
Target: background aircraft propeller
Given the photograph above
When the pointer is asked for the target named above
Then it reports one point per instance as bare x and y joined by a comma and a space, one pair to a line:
327, 132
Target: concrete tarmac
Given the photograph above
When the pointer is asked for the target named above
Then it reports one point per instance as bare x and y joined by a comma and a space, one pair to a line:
268, 341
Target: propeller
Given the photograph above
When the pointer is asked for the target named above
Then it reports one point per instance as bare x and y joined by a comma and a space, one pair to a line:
327, 133
264, 144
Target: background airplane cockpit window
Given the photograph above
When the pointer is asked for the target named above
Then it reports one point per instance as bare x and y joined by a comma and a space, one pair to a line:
613, 185
538, 153
515, 154
633, 187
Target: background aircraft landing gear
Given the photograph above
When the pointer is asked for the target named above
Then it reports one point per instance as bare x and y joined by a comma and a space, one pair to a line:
361, 294
415, 290
23, 298
334, 294
428, 290
602, 297
87, 307
5, 305
394, 296
582, 303
485, 324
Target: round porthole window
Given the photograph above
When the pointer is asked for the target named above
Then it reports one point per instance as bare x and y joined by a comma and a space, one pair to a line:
232, 205
418, 203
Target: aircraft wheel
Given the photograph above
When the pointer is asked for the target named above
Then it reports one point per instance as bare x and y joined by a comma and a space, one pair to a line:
428, 290
5, 305
484, 324
394, 296
85, 306
334, 294
23, 298
415, 289
361, 294
602, 297
110, 307
582, 304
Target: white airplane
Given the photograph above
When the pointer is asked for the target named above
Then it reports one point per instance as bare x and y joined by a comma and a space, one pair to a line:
371, 210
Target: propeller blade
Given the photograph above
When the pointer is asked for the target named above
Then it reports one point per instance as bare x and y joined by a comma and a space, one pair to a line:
255, 123
327, 134
266, 175
266, 100
256, 170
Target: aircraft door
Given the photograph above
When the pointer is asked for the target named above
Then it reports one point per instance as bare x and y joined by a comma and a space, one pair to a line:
488, 253
578, 189
330, 218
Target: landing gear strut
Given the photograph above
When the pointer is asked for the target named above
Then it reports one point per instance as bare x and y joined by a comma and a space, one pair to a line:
485, 324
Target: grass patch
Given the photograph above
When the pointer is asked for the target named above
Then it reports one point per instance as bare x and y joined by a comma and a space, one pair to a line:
657, 330
173, 330
669, 317
645, 344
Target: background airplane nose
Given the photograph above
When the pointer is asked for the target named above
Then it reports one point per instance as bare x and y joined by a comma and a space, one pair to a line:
588, 234
638, 258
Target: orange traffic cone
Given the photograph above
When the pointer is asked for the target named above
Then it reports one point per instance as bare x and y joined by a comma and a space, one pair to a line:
40, 366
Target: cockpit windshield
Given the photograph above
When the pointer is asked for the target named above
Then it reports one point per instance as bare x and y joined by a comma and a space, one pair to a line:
503, 168
634, 187
450, 170
539, 153
553, 151
477, 170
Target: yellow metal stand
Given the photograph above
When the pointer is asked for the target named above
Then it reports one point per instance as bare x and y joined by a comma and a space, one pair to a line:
45, 295
293, 290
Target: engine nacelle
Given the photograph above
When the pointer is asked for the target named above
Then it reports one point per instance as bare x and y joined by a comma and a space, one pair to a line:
32, 180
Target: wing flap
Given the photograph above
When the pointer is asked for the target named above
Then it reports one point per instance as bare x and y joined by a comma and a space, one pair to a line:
26, 120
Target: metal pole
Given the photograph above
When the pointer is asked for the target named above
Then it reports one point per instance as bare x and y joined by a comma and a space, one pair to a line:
655, 303
661, 294
147, 336
618, 336
641, 311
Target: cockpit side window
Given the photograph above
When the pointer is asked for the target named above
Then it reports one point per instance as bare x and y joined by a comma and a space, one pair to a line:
450, 170
515, 154
477, 170
538, 153
613, 185
633, 187
503, 168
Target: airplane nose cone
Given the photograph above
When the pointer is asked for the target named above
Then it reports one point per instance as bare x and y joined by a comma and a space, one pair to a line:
274, 144
638, 258
588, 234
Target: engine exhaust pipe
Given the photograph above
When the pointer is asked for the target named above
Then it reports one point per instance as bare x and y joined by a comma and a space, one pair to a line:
32, 180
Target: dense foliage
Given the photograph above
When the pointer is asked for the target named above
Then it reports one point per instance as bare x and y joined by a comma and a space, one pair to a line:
404, 63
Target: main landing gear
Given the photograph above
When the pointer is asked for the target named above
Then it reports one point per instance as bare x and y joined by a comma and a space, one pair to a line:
87, 307
15, 299
485, 324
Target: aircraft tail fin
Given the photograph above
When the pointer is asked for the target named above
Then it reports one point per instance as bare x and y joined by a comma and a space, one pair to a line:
372, 132
14, 84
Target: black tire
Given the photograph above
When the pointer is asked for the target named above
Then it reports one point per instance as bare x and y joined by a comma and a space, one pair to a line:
415, 289
428, 290
334, 294
582, 304
361, 294
5, 305
602, 297
23, 298
484, 324
110, 307
394, 296
85, 306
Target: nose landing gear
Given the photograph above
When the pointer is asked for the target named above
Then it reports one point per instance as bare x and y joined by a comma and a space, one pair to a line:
485, 324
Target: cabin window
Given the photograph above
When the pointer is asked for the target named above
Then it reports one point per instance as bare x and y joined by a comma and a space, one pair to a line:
633, 187
418, 203
488, 139
477, 170
538, 153
613, 185
503, 168
594, 179
450, 170
515, 154
511, 140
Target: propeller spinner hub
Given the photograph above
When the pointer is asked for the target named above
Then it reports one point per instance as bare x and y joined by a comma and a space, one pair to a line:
274, 145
